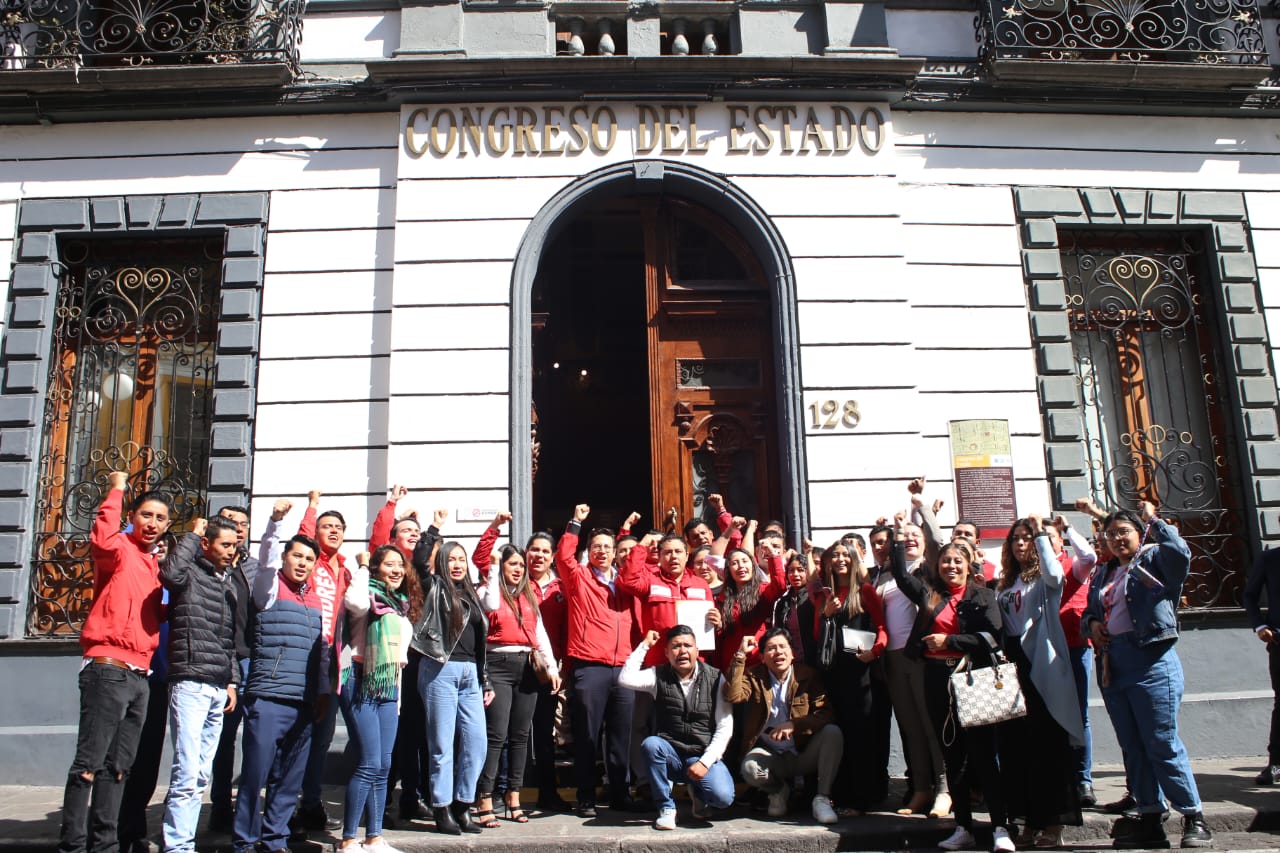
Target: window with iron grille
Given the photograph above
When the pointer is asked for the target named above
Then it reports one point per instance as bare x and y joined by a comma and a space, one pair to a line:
1154, 394
130, 388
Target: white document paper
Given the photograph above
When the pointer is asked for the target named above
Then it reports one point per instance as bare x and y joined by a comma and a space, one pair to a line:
693, 613
853, 640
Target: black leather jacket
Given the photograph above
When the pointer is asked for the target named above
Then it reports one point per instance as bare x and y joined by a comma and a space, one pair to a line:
978, 615
433, 636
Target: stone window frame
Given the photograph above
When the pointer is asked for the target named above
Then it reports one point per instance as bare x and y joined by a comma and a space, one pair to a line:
1241, 330
241, 218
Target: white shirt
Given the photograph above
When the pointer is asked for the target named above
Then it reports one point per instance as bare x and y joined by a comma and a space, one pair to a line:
635, 678
899, 611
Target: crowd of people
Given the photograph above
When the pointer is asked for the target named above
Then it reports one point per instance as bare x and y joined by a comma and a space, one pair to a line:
713, 656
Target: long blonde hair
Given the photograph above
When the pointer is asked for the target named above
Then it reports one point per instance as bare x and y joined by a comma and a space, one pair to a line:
857, 577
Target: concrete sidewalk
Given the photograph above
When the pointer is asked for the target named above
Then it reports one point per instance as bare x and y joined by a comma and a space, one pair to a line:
1243, 815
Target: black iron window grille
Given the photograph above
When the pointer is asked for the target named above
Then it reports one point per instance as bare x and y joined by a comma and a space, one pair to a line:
1186, 31
49, 34
1148, 369
130, 388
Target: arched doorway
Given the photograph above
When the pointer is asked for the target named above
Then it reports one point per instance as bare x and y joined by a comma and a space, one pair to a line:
665, 297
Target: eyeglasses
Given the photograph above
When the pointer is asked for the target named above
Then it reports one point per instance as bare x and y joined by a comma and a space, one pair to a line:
601, 547
1022, 537
1120, 533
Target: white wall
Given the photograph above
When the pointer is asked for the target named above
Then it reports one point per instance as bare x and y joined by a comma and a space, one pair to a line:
325, 334
386, 310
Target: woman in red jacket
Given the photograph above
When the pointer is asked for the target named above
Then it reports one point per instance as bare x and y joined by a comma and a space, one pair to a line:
515, 632
747, 603
850, 638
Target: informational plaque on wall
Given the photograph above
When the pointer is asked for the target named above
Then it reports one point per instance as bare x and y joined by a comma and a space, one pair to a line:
983, 461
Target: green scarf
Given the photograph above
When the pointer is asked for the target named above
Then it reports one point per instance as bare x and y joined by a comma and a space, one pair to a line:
383, 641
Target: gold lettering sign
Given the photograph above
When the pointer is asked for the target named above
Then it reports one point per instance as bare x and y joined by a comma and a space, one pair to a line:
559, 130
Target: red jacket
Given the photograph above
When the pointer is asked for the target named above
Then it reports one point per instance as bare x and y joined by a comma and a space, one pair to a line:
124, 621
383, 523
551, 600
554, 606
1075, 596
506, 630
756, 623
601, 626
658, 595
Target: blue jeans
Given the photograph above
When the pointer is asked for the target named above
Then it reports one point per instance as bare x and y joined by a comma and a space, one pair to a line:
373, 736
195, 727
1143, 701
224, 760
456, 734
277, 740
664, 761
321, 739
1081, 666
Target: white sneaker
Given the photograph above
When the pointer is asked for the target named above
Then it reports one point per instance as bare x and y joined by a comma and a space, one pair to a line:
779, 800
379, 846
822, 811
666, 819
1001, 842
961, 839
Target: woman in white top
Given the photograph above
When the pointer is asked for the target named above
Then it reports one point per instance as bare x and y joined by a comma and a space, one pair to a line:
382, 599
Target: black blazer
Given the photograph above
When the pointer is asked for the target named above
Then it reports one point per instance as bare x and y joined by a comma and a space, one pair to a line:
1265, 576
978, 614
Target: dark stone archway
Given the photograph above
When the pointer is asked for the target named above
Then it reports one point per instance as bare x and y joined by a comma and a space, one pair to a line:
656, 177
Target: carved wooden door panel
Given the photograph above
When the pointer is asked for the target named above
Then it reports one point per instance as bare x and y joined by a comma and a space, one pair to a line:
712, 417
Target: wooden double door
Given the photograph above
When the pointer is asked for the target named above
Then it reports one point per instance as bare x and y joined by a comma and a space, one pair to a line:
653, 368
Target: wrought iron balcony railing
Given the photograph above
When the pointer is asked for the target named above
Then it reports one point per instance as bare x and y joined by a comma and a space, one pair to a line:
1204, 32
58, 34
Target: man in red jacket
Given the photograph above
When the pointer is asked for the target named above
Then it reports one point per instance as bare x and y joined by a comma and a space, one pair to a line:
118, 638
601, 635
659, 591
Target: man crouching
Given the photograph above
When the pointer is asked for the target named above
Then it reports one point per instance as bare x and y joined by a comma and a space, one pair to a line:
790, 728
693, 721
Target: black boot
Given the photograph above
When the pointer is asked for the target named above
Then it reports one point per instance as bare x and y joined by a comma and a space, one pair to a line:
1125, 805
1195, 832
462, 814
445, 822
1146, 833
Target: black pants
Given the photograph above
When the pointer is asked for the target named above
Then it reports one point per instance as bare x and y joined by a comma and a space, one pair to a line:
508, 718
1036, 761
1273, 663
598, 700
971, 755
113, 706
412, 762
141, 783
543, 743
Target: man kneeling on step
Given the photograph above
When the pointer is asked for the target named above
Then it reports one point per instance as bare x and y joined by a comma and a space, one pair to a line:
790, 728
693, 721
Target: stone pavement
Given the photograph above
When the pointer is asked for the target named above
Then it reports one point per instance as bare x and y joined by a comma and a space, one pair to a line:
1242, 816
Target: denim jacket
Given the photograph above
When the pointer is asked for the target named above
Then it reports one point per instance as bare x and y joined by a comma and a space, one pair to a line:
1154, 613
